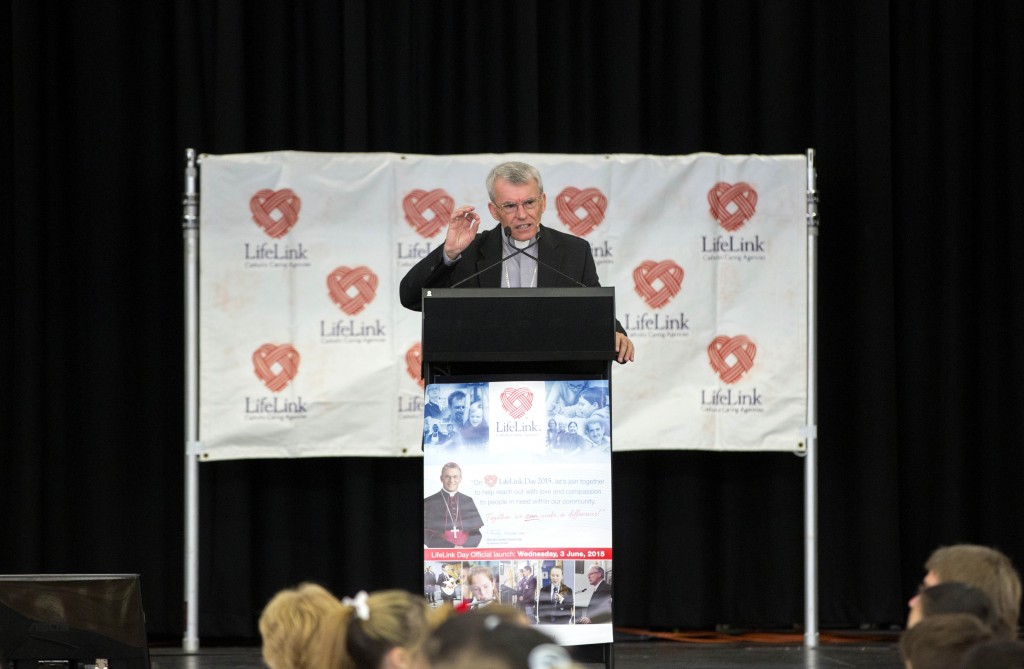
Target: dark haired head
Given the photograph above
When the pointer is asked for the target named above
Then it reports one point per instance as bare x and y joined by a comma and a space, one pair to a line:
995, 655
497, 637
956, 597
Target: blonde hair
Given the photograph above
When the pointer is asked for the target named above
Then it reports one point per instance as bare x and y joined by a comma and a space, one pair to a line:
397, 619
988, 570
294, 629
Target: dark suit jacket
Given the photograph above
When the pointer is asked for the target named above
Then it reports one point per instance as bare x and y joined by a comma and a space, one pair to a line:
568, 253
553, 612
599, 610
528, 590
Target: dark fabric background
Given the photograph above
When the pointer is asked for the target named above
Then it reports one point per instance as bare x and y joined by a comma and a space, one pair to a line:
913, 106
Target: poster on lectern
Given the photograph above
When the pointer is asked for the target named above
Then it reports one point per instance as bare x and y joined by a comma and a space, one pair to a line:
517, 504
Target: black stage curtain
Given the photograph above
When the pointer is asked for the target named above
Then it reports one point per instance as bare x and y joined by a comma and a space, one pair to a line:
913, 106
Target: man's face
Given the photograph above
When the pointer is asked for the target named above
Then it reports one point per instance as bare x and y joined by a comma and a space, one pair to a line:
450, 479
481, 587
459, 409
556, 577
595, 431
523, 220
432, 393
594, 576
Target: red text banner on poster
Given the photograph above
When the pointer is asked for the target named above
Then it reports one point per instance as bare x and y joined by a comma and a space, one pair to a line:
431, 554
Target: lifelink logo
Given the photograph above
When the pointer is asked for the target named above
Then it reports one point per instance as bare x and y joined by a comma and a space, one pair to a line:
731, 357
657, 282
516, 401
732, 205
275, 211
427, 211
352, 289
276, 365
581, 210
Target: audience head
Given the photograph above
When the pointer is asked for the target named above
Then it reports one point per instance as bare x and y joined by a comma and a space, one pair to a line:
292, 627
940, 641
984, 568
951, 597
380, 630
995, 655
497, 637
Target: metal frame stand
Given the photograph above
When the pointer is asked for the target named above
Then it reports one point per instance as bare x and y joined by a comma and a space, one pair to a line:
811, 429
190, 233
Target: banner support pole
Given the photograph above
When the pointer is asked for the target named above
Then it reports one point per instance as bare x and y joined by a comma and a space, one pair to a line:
811, 431
190, 234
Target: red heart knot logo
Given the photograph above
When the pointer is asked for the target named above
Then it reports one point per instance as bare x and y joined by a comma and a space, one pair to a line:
276, 211
418, 203
666, 273
276, 365
581, 210
724, 195
731, 357
352, 289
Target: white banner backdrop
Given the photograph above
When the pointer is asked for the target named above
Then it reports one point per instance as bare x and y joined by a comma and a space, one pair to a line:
306, 351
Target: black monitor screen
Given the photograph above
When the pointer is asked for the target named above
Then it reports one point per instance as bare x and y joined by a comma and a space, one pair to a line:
72, 618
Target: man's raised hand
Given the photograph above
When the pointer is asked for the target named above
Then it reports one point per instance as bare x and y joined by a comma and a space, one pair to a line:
461, 231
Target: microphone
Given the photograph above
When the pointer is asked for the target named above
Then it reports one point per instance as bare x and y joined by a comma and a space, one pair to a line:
581, 590
508, 233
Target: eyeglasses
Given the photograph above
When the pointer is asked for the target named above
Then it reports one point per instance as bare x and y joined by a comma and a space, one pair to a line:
513, 207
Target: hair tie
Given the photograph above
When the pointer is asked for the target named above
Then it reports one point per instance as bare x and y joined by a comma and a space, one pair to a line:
549, 656
360, 603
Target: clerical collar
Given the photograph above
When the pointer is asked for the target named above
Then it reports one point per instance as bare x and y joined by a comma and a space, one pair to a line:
450, 494
521, 243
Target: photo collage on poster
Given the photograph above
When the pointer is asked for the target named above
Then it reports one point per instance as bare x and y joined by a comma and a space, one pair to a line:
548, 592
578, 418
517, 498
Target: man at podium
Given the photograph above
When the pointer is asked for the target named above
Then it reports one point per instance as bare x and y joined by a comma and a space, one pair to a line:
516, 253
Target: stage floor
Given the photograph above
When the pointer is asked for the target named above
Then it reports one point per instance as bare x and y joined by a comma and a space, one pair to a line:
637, 651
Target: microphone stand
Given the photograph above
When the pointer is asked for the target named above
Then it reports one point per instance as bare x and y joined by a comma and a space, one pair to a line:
508, 233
